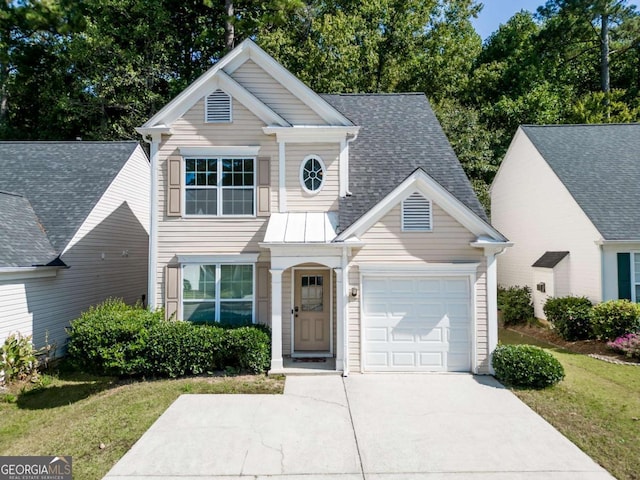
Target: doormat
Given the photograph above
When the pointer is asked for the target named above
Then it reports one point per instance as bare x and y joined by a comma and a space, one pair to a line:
310, 360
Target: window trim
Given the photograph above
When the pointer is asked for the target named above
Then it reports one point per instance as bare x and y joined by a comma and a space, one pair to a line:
196, 260
219, 188
634, 284
206, 107
402, 214
301, 173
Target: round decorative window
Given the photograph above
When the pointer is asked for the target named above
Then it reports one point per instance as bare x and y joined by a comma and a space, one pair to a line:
312, 174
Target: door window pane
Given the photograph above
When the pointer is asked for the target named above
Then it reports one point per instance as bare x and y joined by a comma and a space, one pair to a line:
311, 293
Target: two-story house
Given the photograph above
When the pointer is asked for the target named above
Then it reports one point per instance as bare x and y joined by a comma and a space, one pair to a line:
345, 222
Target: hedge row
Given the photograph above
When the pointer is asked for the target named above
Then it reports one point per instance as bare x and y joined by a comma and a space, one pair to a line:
575, 318
116, 339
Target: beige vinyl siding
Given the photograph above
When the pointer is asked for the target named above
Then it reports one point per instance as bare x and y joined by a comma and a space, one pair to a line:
327, 198
273, 94
45, 306
534, 210
216, 235
353, 330
385, 242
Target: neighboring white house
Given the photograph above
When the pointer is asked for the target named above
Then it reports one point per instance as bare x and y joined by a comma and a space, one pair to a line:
343, 221
74, 223
568, 196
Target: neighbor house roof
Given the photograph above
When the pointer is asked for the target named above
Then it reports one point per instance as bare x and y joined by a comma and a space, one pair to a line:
62, 181
550, 259
24, 243
399, 133
600, 166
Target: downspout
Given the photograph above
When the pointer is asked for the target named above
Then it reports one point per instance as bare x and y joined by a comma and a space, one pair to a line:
492, 303
344, 164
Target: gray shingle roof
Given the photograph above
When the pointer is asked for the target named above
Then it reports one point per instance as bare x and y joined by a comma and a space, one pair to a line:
63, 181
550, 259
23, 240
399, 133
600, 166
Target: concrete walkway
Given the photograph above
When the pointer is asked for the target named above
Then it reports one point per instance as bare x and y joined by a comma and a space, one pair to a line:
382, 427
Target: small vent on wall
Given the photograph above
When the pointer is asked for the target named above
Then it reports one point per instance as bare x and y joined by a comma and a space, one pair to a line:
416, 213
218, 107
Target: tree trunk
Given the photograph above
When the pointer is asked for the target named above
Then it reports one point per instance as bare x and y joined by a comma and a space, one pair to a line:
229, 31
604, 54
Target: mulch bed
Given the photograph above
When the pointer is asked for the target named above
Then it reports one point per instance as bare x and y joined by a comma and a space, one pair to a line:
593, 348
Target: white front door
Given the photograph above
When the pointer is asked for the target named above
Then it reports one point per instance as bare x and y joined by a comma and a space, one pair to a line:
416, 324
312, 315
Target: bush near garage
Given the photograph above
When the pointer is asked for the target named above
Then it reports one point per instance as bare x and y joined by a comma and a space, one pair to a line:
515, 304
614, 318
526, 366
117, 339
570, 317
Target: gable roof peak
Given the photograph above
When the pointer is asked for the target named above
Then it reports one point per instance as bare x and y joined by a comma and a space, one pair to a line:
220, 73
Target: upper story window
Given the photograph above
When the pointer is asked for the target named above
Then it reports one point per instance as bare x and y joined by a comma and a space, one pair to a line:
217, 107
219, 186
416, 213
312, 171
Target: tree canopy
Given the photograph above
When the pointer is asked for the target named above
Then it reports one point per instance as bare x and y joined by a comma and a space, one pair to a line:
95, 69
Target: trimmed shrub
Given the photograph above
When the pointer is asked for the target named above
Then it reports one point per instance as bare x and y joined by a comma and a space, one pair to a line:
175, 349
111, 338
247, 348
526, 366
628, 345
615, 318
515, 304
116, 339
570, 317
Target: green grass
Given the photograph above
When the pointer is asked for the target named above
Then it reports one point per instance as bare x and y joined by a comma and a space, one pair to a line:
597, 406
75, 414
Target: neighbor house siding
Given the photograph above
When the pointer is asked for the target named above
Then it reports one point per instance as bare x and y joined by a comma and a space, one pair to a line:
216, 235
386, 243
534, 210
273, 94
107, 257
610, 267
327, 198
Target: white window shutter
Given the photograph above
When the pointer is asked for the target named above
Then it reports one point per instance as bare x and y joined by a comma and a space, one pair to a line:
217, 107
416, 213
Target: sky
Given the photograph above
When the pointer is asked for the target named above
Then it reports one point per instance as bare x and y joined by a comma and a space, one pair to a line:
496, 12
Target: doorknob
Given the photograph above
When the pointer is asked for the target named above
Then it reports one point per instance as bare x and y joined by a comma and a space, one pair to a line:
296, 309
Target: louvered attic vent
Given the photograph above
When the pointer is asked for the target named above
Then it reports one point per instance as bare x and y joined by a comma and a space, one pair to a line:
218, 107
416, 213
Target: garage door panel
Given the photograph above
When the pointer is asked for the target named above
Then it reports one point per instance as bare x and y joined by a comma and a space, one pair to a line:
417, 324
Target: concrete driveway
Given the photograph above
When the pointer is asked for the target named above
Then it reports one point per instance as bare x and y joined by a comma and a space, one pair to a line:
394, 427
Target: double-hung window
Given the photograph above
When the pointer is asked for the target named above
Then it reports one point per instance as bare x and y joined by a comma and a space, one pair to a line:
219, 186
635, 276
218, 293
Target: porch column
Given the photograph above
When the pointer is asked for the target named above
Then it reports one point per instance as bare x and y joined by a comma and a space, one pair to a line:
276, 320
340, 331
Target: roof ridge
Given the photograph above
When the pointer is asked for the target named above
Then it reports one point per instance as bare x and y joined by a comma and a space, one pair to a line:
553, 125
13, 194
71, 142
375, 94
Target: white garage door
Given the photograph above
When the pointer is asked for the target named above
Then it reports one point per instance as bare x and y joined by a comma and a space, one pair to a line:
414, 324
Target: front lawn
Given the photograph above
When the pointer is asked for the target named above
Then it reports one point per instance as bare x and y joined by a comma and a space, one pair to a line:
97, 419
597, 406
